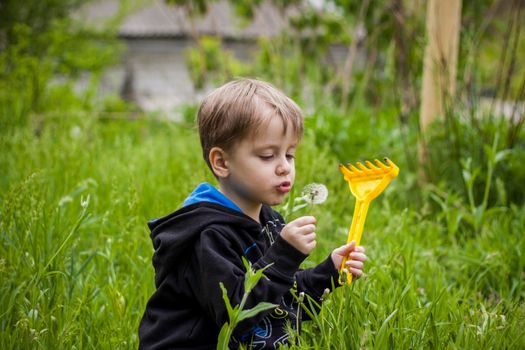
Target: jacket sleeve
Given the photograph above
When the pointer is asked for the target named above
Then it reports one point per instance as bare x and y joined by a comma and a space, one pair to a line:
314, 281
218, 259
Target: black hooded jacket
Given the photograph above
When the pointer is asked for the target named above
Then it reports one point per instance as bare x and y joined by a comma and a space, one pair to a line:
203, 244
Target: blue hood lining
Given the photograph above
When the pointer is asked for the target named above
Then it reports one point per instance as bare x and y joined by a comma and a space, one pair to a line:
205, 192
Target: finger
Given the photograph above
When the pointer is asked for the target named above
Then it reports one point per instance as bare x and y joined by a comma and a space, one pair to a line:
345, 249
358, 256
355, 264
303, 220
356, 272
307, 229
311, 245
310, 237
360, 249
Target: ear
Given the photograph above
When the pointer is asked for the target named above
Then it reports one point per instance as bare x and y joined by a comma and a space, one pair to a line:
219, 162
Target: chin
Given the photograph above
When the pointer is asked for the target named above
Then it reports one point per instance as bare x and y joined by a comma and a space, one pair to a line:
274, 202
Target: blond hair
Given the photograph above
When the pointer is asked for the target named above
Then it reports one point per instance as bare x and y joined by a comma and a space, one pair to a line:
239, 109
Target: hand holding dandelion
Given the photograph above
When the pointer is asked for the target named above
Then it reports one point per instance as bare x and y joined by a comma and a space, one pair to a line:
300, 232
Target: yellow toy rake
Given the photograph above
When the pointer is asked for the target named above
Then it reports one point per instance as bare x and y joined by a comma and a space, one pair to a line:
366, 183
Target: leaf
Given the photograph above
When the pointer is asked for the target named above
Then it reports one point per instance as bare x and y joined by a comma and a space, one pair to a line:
247, 264
263, 306
439, 201
252, 277
226, 301
454, 217
466, 175
479, 213
502, 154
502, 192
383, 330
491, 155
224, 337
252, 280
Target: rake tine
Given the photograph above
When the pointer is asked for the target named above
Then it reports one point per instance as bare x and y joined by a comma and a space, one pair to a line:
388, 162
381, 165
371, 166
346, 172
363, 168
354, 169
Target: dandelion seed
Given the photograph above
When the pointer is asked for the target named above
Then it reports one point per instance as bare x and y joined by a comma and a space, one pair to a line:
314, 193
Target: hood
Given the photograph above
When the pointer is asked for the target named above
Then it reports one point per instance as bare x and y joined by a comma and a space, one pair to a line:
174, 234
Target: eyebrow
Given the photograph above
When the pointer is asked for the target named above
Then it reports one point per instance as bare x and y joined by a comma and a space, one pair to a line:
273, 146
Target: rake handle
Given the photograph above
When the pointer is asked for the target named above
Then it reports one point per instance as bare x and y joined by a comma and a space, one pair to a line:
356, 230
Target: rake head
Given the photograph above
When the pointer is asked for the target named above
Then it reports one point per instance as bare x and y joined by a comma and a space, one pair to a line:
368, 181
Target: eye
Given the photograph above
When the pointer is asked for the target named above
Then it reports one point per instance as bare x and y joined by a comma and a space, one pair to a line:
290, 156
266, 157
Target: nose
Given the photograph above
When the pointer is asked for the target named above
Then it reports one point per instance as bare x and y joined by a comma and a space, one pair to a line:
284, 167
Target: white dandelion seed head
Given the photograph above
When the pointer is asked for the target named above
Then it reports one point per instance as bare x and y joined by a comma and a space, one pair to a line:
314, 193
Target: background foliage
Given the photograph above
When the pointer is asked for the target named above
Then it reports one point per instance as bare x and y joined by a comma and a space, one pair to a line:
446, 269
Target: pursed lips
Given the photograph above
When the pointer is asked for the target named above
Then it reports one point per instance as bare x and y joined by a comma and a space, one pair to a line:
284, 187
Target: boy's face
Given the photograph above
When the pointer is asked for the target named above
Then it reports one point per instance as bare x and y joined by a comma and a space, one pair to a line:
261, 168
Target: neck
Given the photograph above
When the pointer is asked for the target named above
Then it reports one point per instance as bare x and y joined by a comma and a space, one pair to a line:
253, 210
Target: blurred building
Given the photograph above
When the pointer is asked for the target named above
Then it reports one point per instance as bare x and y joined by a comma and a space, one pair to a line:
153, 72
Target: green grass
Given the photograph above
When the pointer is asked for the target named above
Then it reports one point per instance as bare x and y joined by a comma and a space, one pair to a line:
75, 254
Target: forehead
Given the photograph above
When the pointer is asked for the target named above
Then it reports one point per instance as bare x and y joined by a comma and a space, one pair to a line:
273, 132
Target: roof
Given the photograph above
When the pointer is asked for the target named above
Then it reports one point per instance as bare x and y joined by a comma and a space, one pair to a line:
158, 19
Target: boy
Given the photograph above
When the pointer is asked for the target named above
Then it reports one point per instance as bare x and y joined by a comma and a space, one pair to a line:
249, 132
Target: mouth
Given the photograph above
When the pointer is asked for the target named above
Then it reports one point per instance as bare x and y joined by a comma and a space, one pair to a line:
284, 187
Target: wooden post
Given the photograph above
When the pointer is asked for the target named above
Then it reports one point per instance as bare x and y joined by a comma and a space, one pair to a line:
440, 62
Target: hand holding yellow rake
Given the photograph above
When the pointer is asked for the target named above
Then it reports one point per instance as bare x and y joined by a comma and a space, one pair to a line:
366, 183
